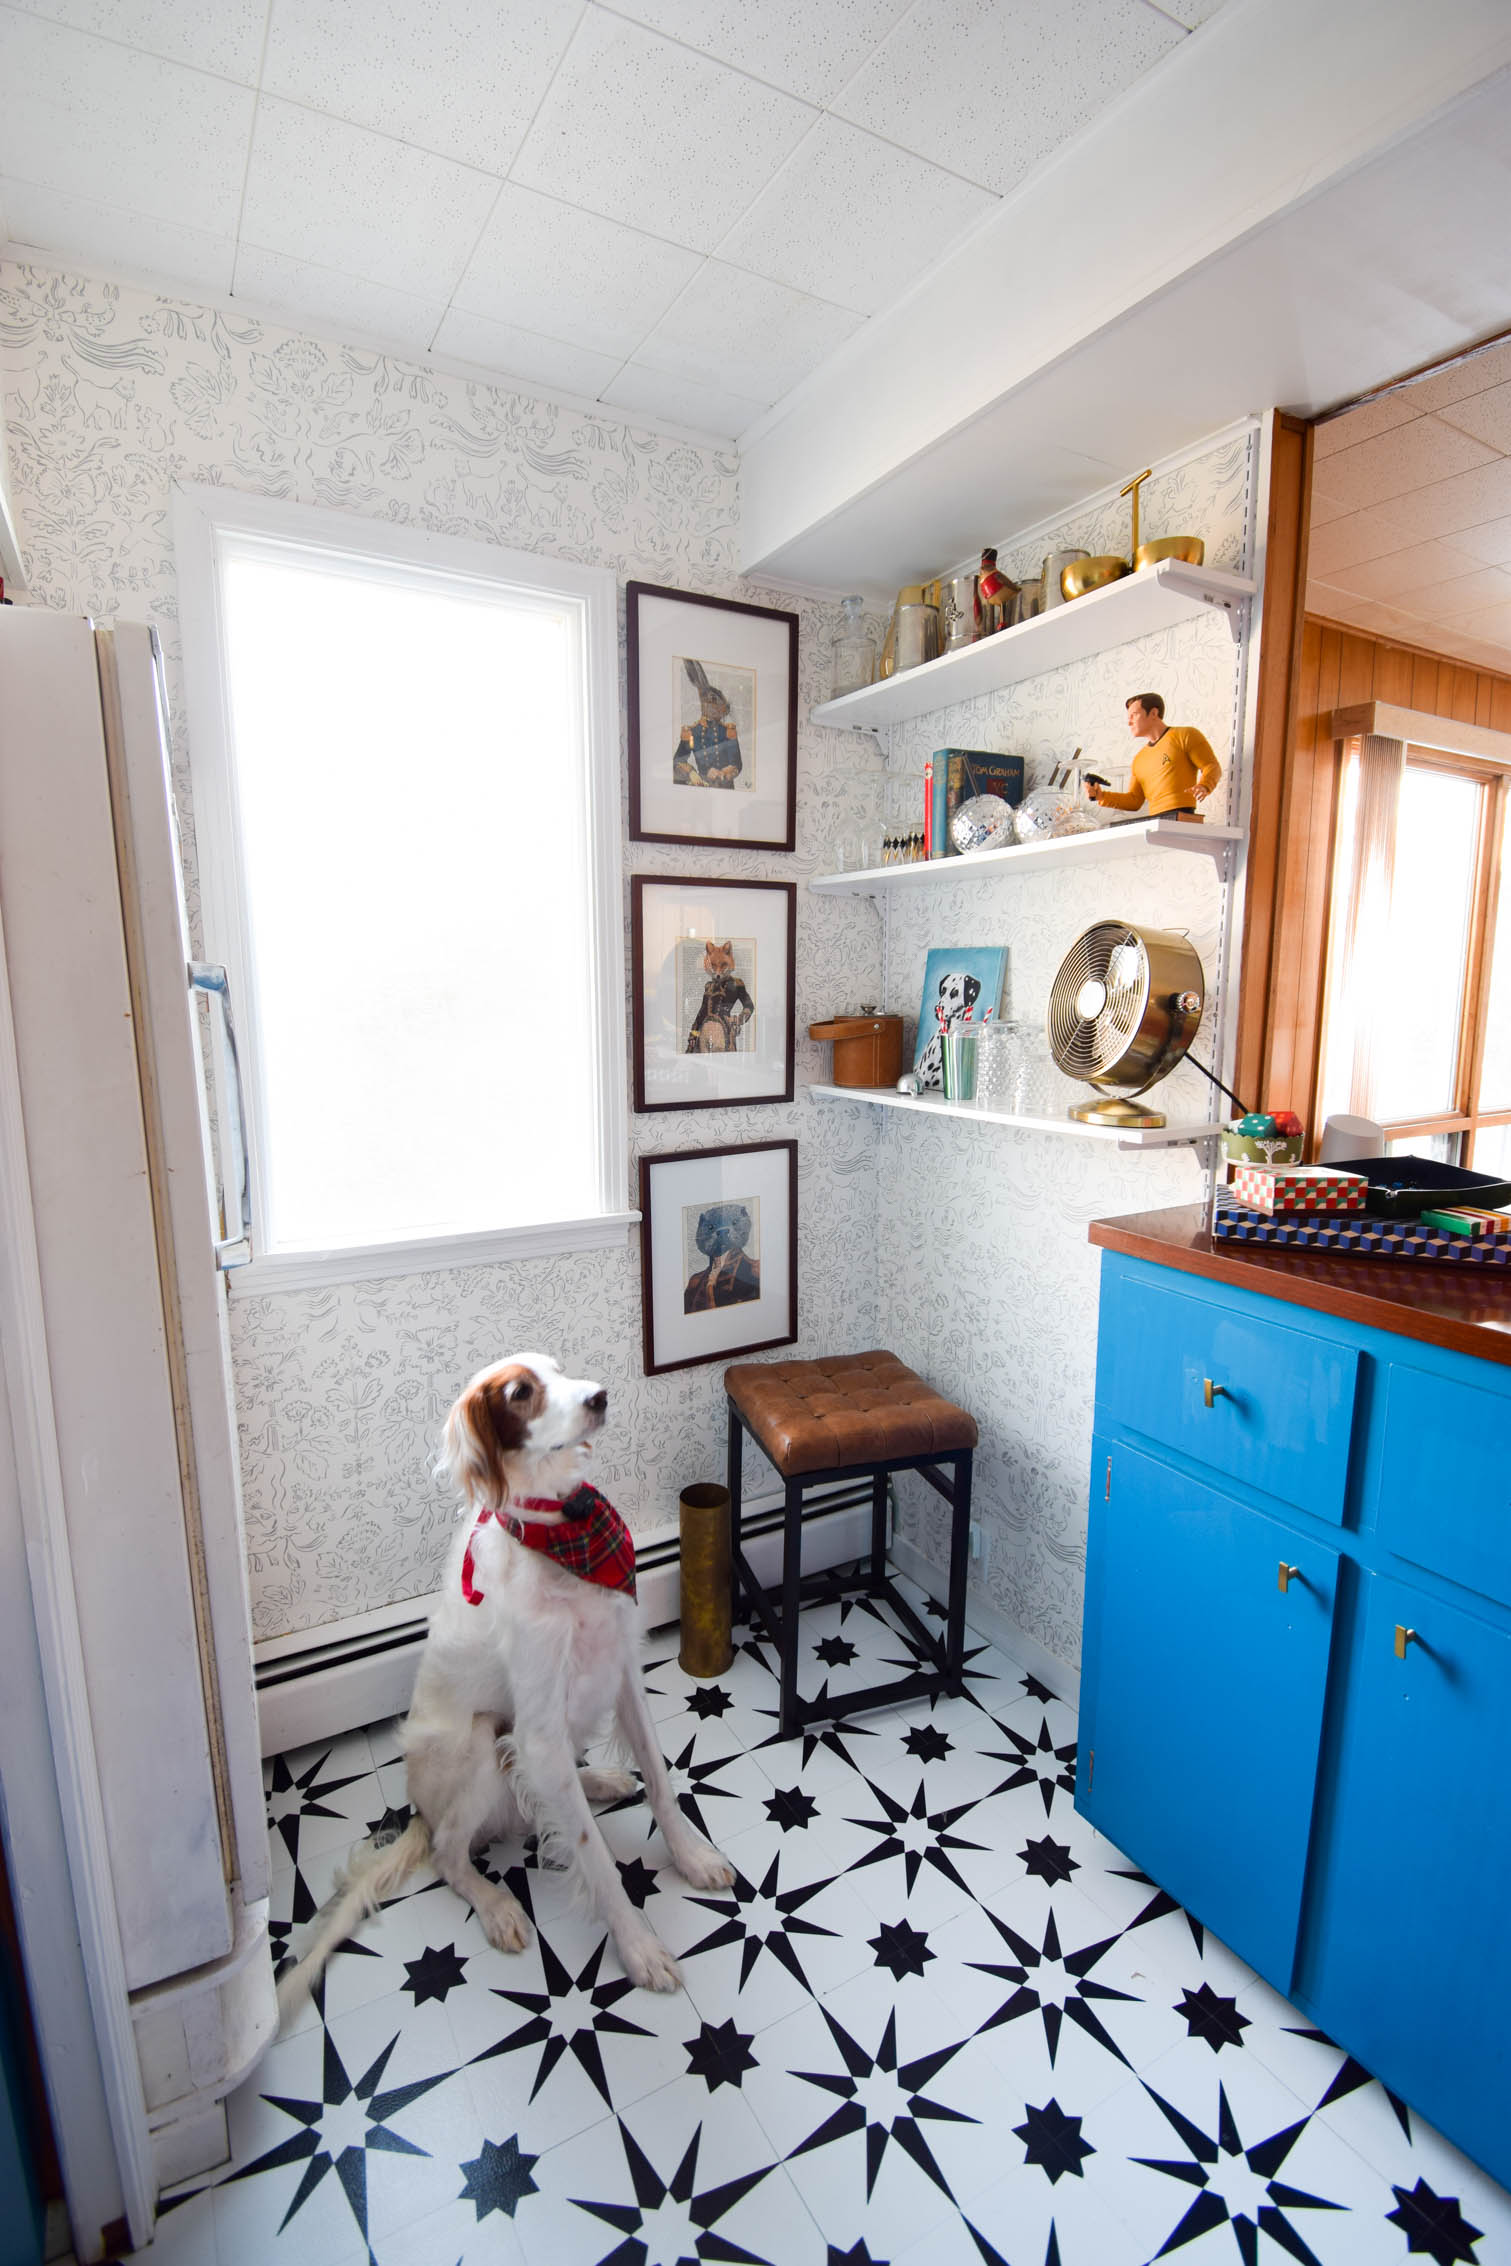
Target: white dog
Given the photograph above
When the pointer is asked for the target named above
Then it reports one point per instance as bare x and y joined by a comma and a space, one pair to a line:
525, 1660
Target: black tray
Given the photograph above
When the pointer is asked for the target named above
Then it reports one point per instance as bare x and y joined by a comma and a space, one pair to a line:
1403, 1188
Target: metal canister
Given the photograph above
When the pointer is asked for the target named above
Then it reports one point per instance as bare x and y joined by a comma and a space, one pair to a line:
1054, 565
703, 1523
917, 636
958, 611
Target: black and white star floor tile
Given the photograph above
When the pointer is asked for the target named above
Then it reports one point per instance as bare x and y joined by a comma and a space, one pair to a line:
786, 1932
938, 2018
1052, 1993
560, 2052
1217, 2163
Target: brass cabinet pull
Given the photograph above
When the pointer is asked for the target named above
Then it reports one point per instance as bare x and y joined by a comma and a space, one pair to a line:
1404, 1637
1288, 1574
1211, 1392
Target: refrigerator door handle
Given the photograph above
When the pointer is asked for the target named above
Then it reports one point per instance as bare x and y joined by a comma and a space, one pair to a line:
234, 1248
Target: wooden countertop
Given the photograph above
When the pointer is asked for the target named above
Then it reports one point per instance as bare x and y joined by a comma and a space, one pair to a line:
1467, 1309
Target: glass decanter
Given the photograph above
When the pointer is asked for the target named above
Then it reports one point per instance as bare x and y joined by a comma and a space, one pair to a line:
854, 651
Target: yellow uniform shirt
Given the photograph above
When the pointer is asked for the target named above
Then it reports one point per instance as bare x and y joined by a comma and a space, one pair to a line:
1167, 772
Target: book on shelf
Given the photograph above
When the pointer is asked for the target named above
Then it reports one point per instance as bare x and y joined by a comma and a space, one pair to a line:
956, 775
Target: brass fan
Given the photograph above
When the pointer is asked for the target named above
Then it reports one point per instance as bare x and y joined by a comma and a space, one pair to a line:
1123, 1009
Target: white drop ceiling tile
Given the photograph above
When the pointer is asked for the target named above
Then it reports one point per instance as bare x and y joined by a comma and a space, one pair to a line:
1492, 622
1449, 508
852, 220
1325, 508
1348, 542
342, 197
1455, 599
703, 409
734, 329
810, 47
1363, 423
92, 119
550, 268
508, 355
988, 87
1489, 542
107, 236
224, 36
461, 77
1410, 569
1477, 373
1394, 463
1487, 416
334, 305
644, 131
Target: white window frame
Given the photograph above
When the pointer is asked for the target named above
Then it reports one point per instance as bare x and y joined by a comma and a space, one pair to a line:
205, 521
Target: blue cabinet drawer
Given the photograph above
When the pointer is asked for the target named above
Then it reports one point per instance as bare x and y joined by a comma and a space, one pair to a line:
1410, 1962
1445, 1478
1202, 1696
1262, 1403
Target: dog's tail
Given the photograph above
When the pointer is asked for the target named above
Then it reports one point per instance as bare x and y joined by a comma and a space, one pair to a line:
377, 1869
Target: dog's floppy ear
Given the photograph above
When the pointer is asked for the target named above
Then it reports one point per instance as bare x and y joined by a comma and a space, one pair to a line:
487, 1426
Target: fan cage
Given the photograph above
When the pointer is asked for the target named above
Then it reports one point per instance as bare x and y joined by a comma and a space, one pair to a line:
1113, 957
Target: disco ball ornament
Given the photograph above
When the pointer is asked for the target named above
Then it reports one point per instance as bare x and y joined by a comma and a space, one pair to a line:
1053, 810
984, 823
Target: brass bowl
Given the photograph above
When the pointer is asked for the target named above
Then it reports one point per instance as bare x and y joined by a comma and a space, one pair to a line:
1091, 574
1191, 548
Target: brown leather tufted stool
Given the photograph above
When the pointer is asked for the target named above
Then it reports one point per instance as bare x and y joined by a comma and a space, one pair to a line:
858, 1417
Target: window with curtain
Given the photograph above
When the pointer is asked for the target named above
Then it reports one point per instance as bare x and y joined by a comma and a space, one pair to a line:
1417, 1020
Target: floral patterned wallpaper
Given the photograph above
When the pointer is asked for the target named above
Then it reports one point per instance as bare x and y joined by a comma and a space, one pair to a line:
112, 396
988, 1284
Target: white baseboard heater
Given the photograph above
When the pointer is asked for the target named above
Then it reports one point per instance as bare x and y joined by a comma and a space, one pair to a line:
316, 1683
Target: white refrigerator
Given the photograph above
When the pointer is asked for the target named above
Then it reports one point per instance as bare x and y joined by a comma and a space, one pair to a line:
138, 1539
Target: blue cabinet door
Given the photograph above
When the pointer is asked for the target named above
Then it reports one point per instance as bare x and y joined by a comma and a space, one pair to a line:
1410, 1959
1202, 1697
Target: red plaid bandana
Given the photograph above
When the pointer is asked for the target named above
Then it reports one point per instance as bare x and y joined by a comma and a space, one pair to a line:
592, 1540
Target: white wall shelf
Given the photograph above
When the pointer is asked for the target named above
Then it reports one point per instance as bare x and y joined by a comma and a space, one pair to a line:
1093, 848
1156, 599
934, 1105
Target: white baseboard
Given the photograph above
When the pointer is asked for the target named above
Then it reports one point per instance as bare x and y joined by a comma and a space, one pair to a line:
358, 1671
990, 1622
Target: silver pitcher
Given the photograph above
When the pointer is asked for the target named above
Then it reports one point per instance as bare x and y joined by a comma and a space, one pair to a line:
1053, 595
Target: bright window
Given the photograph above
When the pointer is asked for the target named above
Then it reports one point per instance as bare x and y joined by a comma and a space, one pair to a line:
407, 784
1417, 1031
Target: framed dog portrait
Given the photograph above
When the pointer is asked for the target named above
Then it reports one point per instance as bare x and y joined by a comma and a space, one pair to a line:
962, 983
712, 981
713, 720
718, 1252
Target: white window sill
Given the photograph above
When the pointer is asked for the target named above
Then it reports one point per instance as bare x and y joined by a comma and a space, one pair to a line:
276, 1271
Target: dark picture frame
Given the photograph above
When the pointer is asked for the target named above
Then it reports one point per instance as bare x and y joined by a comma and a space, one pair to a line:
678, 788
668, 1073
738, 1195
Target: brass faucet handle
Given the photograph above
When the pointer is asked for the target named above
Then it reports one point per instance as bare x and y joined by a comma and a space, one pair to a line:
1404, 1637
1288, 1574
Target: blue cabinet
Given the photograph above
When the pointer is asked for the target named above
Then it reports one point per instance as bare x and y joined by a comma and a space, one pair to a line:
1330, 1795
1200, 1756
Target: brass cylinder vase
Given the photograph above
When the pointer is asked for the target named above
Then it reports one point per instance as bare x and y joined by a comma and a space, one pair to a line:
703, 1517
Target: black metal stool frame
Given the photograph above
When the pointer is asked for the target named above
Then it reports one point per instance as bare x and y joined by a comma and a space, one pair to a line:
778, 1610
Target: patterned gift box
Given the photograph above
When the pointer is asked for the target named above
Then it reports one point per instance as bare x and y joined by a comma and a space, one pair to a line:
1357, 1238
1298, 1188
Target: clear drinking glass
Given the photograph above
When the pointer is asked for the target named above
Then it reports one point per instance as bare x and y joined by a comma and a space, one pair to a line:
999, 1051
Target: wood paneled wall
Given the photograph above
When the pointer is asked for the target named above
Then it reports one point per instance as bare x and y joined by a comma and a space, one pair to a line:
1334, 667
